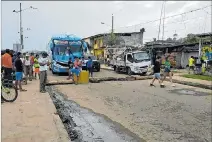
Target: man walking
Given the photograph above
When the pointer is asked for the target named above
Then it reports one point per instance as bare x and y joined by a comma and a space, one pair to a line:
156, 70
19, 72
89, 65
167, 70
43, 62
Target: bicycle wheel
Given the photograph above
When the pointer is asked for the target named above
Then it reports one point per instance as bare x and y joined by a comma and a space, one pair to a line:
9, 94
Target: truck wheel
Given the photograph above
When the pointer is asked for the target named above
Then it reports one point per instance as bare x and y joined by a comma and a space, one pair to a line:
144, 73
114, 68
98, 69
117, 70
129, 72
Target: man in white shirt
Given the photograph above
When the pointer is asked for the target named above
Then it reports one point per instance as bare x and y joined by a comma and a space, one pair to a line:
43, 62
27, 68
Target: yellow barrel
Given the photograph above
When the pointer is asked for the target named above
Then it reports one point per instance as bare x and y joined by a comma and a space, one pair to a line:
83, 77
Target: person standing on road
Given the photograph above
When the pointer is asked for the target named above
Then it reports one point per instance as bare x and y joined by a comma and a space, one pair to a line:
167, 71
89, 66
36, 67
156, 70
19, 72
83, 64
191, 64
43, 62
27, 69
76, 69
71, 65
32, 63
7, 65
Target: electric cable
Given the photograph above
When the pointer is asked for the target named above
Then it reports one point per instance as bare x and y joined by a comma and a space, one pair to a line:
152, 21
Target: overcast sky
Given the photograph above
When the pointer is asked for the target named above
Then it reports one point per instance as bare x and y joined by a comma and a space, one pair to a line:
84, 19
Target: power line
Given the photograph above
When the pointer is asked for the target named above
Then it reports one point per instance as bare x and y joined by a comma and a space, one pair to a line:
198, 9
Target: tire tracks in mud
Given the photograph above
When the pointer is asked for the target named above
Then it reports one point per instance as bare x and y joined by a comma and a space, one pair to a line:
83, 124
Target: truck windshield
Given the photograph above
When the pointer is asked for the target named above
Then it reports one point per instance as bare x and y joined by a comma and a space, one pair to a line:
141, 56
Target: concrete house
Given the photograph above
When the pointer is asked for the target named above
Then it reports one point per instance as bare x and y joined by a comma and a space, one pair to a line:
99, 42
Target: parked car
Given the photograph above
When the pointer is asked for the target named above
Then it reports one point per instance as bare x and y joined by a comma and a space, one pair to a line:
96, 63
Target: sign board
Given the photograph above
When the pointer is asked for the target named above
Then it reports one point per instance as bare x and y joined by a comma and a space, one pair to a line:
64, 42
75, 42
60, 42
17, 47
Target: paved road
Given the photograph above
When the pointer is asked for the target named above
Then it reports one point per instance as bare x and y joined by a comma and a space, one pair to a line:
153, 113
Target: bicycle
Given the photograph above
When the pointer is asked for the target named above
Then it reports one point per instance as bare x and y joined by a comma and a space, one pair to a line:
10, 93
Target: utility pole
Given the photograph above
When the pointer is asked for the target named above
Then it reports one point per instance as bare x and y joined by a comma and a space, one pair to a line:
21, 29
112, 37
112, 23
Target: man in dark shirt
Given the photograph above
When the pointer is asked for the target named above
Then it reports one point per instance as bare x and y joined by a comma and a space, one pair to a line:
70, 64
19, 72
156, 70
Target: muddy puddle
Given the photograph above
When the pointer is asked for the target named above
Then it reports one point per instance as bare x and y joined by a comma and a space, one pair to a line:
83, 125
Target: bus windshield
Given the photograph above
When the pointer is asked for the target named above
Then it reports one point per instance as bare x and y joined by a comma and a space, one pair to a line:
66, 47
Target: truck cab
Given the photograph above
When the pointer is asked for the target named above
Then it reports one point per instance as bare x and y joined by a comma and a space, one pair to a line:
137, 62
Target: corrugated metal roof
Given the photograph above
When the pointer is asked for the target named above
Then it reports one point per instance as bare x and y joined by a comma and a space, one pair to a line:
204, 34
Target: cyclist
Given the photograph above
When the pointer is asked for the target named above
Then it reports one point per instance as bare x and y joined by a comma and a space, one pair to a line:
7, 65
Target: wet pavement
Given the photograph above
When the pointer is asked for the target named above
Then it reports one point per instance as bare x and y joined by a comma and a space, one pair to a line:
154, 114
85, 125
176, 114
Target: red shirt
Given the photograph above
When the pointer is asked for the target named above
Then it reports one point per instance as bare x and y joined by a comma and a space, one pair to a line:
6, 60
32, 60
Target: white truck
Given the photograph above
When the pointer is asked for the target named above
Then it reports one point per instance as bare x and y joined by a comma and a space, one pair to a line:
132, 62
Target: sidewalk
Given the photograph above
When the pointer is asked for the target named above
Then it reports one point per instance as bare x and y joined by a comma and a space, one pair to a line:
32, 118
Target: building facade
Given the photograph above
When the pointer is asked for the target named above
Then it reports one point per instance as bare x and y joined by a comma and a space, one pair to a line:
99, 42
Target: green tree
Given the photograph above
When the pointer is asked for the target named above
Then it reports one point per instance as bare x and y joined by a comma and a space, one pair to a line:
191, 38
